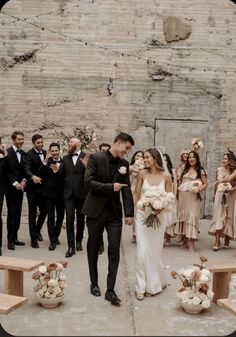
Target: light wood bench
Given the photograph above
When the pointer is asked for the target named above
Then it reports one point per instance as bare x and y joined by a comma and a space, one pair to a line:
14, 269
10, 302
227, 304
221, 278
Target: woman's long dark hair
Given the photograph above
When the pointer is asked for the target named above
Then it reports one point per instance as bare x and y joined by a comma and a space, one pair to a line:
198, 166
156, 155
132, 161
231, 160
1, 145
169, 164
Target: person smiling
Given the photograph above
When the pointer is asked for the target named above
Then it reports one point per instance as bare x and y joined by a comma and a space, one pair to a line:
189, 204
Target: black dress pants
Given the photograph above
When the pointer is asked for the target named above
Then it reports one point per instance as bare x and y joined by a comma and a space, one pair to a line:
74, 205
55, 210
14, 200
113, 227
36, 201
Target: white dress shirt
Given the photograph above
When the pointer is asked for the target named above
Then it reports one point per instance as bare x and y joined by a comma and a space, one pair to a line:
75, 158
41, 156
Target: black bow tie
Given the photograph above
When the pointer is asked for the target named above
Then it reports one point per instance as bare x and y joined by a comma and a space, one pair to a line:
74, 154
40, 153
57, 161
18, 151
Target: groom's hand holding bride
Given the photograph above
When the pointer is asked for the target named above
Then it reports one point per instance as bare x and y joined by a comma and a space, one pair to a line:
117, 187
128, 221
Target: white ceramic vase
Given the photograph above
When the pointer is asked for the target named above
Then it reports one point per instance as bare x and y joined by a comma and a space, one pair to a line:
191, 308
50, 303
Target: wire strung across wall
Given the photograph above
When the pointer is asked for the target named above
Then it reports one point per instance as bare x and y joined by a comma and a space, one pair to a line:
117, 52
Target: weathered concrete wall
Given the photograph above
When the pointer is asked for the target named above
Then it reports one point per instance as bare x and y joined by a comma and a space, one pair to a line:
64, 64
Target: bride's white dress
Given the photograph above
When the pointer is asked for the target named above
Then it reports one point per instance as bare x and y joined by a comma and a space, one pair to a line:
150, 274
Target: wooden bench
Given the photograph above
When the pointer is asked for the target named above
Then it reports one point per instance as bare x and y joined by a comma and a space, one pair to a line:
221, 278
227, 304
14, 269
10, 302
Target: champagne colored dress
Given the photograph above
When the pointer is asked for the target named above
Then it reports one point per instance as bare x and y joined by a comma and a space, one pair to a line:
189, 207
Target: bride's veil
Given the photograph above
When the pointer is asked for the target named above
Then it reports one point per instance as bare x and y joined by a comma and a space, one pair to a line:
163, 160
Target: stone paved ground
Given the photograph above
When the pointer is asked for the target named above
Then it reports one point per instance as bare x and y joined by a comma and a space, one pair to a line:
84, 315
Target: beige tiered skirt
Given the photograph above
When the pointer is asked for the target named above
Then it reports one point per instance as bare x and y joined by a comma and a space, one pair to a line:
189, 207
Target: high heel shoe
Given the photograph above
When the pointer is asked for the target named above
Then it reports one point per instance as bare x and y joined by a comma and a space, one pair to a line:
140, 297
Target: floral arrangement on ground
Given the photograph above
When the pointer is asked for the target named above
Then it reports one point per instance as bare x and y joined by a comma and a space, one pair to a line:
195, 288
50, 280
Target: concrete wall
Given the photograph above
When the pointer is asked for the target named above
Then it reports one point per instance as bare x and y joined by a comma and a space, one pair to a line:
118, 65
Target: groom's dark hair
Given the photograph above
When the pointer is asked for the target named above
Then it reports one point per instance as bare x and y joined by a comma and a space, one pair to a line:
124, 137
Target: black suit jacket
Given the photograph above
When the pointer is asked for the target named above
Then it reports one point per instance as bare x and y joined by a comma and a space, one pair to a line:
14, 169
100, 186
74, 176
53, 183
33, 166
2, 175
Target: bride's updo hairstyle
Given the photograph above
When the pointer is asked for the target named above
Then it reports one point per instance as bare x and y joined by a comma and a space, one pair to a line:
155, 154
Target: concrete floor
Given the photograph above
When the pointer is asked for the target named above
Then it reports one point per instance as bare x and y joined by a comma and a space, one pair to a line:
82, 314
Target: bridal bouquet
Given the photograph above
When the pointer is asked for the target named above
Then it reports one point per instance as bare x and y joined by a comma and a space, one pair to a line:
50, 281
223, 187
155, 201
194, 186
195, 289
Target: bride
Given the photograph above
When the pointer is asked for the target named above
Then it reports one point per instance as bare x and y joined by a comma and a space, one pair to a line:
150, 275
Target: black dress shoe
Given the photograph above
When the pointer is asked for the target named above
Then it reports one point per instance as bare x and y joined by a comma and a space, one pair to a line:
112, 297
52, 246
34, 244
39, 237
95, 291
79, 246
57, 242
11, 246
70, 252
19, 243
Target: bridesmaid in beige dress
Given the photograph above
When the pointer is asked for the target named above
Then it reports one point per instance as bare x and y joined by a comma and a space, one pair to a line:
223, 224
136, 165
180, 167
189, 204
171, 217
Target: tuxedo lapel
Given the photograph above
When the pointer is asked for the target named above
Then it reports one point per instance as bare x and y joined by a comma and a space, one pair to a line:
107, 168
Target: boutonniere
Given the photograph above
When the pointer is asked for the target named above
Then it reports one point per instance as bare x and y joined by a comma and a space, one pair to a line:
1, 155
122, 170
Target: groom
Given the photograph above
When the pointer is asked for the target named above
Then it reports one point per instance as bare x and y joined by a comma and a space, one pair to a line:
106, 175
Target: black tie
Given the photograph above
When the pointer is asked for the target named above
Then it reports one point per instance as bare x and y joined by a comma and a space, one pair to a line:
18, 151
40, 153
74, 154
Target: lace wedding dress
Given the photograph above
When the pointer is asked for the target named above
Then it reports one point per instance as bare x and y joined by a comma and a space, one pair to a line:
150, 274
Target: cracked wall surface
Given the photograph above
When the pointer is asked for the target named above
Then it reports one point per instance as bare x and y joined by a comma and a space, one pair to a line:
120, 65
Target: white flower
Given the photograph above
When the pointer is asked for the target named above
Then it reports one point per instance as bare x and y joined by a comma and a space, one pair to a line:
59, 266
1, 155
42, 269
205, 272
210, 294
196, 300
206, 303
40, 293
224, 187
194, 186
140, 205
187, 273
122, 170
37, 287
204, 279
52, 283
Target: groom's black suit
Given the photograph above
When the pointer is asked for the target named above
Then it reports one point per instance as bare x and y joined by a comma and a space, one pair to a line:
103, 209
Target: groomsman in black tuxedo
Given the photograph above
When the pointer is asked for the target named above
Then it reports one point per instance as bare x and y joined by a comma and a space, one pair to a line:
16, 183
33, 169
106, 175
53, 184
3, 154
74, 194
